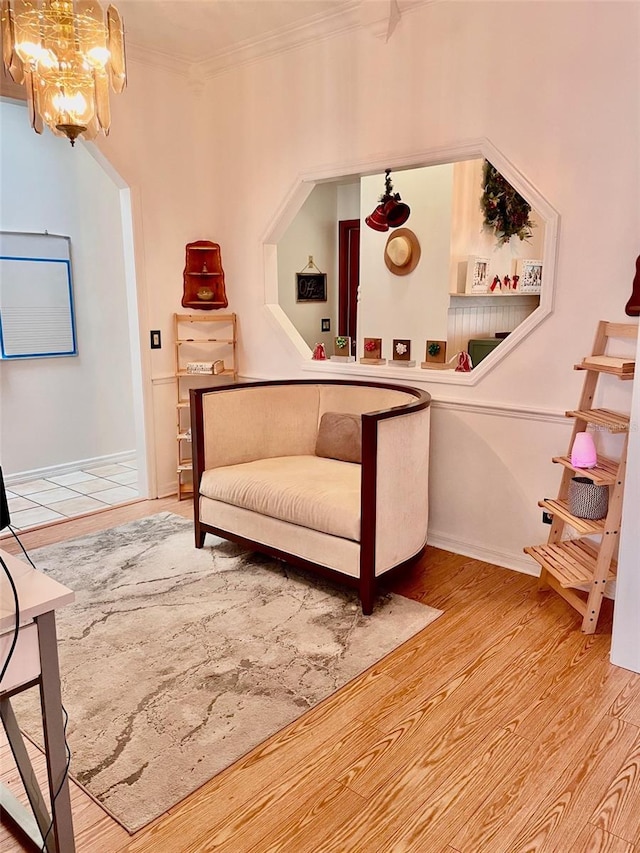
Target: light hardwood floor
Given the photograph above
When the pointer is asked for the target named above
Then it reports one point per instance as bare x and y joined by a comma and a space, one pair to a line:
499, 729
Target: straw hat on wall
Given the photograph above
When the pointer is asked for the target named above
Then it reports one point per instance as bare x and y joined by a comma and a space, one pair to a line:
402, 252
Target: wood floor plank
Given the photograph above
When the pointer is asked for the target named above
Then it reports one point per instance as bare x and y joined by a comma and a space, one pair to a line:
308, 827
618, 809
455, 719
437, 642
503, 658
91, 824
588, 689
515, 797
560, 818
455, 801
463, 655
239, 815
593, 839
452, 578
627, 705
102, 520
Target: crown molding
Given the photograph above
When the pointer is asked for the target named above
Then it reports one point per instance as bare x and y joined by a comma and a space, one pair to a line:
365, 15
278, 41
158, 59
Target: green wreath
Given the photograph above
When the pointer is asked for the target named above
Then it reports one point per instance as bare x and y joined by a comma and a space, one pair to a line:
504, 209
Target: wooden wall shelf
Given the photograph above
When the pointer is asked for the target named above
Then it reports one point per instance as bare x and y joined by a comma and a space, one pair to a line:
203, 278
194, 341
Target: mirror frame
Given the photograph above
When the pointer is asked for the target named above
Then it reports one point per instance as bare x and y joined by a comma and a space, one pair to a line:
471, 150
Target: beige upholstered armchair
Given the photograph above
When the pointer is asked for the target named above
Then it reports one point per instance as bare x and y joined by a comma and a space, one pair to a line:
329, 476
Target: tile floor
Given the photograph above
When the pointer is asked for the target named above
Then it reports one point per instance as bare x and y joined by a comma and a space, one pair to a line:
40, 501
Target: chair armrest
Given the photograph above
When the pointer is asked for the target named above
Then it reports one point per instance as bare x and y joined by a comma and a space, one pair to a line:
402, 488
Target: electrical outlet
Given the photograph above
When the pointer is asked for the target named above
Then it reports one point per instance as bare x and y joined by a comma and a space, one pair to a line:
325, 324
547, 517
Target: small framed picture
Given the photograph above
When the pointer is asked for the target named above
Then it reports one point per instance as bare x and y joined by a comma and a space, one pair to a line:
373, 352
401, 349
402, 353
529, 274
477, 275
373, 348
436, 352
311, 287
342, 346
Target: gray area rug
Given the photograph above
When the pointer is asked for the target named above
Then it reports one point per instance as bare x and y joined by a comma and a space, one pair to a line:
175, 662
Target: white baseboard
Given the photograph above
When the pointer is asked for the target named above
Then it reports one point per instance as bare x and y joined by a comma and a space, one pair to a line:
166, 490
507, 559
68, 467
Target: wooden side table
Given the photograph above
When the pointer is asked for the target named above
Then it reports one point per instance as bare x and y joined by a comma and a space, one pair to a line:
35, 662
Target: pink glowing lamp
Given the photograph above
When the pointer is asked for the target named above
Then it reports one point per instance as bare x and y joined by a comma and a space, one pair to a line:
583, 452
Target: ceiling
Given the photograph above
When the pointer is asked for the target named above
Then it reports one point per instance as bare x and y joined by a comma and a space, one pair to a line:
202, 38
216, 34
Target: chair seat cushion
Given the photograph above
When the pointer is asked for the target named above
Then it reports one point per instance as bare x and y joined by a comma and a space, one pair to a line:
311, 491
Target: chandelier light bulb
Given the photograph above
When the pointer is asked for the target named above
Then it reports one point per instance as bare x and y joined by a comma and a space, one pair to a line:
70, 104
99, 56
65, 53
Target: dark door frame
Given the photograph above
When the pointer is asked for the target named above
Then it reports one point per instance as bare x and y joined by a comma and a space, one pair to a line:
348, 278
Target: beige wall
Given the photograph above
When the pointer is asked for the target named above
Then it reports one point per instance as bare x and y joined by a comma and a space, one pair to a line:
452, 72
314, 232
553, 85
74, 411
413, 306
159, 146
354, 97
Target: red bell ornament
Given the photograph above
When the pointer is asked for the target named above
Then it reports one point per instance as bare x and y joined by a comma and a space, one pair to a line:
397, 213
378, 220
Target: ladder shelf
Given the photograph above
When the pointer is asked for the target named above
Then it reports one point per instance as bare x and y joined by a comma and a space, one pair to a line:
574, 566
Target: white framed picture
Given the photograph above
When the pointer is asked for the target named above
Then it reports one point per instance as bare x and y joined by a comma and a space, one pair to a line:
529, 274
477, 275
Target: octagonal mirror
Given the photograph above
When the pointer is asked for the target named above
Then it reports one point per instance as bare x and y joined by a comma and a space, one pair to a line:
459, 271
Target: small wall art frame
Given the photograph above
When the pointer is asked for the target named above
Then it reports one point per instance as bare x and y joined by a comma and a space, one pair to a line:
402, 353
373, 352
37, 315
530, 275
311, 287
477, 275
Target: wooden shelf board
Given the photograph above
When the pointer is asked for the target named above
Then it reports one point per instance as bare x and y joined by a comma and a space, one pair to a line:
604, 474
197, 318
585, 526
228, 371
622, 367
613, 421
202, 303
204, 341
185, 466
182, 436
572, 562
183, 404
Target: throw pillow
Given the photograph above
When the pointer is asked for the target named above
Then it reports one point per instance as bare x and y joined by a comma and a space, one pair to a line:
340, 437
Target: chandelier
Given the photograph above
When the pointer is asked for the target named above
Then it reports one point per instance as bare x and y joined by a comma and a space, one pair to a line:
65, 53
